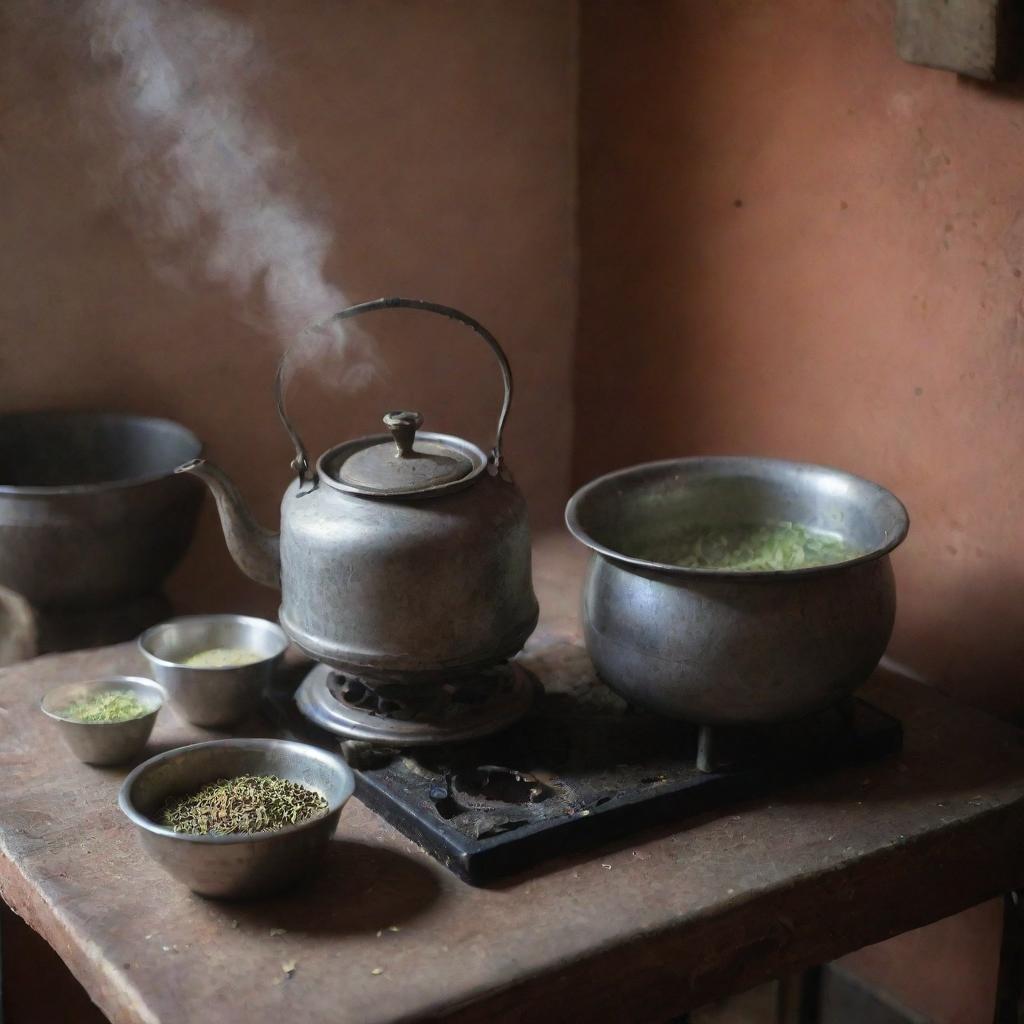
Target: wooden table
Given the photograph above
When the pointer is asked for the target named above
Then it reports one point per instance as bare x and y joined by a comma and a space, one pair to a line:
638, 931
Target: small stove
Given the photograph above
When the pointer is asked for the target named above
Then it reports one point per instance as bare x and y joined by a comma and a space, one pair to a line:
396, 715
581, 768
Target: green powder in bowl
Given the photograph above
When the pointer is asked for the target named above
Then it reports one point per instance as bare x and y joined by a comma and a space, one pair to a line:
107, 706
758, 547
223, 657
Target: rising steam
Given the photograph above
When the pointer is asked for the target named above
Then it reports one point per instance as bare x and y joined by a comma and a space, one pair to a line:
206, 172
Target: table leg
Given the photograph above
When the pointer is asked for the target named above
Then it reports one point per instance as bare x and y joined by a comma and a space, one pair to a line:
798, 998
1010, 990
707, 755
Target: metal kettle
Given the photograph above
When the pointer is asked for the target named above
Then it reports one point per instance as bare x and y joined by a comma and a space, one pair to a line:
402, 556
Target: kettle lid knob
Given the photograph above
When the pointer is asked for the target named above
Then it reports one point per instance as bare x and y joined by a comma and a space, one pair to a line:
416, 464
403, 426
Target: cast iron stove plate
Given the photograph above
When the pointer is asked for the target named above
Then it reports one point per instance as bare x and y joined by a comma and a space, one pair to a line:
582, 769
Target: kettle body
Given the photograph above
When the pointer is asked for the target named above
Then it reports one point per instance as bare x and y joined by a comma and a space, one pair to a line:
407, 589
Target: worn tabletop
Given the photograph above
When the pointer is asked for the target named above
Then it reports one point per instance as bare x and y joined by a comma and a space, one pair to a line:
635, 931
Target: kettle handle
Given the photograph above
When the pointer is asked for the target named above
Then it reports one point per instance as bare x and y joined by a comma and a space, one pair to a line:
301, 461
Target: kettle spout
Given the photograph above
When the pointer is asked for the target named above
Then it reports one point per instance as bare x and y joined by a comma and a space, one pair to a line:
255, 550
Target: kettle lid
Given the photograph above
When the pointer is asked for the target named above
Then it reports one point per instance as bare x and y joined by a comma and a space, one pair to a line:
402, 464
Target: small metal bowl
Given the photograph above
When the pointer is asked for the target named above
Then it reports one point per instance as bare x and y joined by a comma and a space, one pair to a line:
247, 864
104, 742
213, 696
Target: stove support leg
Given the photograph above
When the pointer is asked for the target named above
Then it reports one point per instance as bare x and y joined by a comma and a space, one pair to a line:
706, 756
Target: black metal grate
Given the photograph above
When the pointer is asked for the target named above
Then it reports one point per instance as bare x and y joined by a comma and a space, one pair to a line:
578, 772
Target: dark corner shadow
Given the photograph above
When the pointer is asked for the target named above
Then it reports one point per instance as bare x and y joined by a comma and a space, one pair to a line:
1009, 65
1011, 87
358, 887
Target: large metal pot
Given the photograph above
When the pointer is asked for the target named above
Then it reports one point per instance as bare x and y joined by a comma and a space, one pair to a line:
721, 647
91, 514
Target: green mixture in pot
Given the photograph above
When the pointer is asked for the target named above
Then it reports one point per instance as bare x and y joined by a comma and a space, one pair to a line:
760, 547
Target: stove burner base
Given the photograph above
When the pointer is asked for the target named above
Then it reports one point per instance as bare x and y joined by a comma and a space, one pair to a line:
393, 715
583, 769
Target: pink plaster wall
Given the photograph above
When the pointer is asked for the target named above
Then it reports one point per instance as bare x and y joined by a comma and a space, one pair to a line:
794, 244
439, 140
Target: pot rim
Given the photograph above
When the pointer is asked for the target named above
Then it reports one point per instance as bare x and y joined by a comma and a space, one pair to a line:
145, 639
102, 486
621, 476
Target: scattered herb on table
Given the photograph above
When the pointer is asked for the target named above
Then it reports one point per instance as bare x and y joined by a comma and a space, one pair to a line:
246, 803
107, 706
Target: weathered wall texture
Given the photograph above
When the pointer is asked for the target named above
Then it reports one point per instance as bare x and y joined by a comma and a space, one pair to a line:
794, 244
440, 143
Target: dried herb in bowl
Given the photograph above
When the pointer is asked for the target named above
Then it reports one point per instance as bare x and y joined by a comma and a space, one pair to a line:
107, 706
246, 803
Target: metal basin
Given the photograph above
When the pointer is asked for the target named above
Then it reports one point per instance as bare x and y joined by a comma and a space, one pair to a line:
91, 513
726, 647
247, 864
